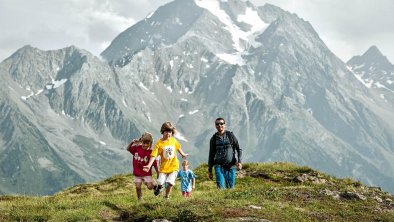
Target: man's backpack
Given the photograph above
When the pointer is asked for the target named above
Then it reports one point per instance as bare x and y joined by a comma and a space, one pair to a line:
225, 155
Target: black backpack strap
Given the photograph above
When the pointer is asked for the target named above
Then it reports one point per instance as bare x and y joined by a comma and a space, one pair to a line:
230, 136
212, 151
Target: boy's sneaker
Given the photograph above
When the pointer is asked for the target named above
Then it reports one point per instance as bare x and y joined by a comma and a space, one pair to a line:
157, 190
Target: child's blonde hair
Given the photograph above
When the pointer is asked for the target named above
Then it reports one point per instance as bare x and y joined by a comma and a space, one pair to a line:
185, 163
146, 138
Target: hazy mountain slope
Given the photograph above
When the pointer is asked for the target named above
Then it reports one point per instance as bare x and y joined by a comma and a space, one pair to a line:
160, 28
73, 110
286, 96
29, 164
375, 71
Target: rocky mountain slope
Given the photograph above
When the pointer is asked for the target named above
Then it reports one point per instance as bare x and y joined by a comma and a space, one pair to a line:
375, 71
60, 124
283, 92
286, 96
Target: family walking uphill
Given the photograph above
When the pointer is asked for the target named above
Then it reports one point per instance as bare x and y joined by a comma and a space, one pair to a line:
224, 156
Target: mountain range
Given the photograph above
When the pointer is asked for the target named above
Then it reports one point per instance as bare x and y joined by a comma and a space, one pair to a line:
376, 72
67, 115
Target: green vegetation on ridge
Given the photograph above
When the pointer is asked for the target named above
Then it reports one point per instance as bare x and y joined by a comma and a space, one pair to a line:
272, 191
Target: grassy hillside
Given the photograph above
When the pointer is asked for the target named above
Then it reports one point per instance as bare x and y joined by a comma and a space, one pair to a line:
273, 192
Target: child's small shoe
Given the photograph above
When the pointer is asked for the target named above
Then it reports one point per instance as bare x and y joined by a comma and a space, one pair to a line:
157, 190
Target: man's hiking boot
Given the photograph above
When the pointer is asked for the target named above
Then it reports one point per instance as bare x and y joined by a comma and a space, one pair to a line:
157, 190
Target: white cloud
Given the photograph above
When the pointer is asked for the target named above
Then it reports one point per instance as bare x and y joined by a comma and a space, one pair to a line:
347, 27
88, 24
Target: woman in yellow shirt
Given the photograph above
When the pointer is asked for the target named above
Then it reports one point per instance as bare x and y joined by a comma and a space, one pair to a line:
166, 147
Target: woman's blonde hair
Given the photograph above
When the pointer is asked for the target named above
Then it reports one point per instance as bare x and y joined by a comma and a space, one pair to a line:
146, 138
167, 126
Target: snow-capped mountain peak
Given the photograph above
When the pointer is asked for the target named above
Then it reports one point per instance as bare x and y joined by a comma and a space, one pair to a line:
375, 71
237, 22
249, 17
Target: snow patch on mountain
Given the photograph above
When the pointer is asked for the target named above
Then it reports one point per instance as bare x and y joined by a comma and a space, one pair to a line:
56, 83
39, 92
148, 116
179, 136
150, 15
233, 59
124, 103
250, 17
28, 96
142, 86
46, 164
178, 21
169, 88
193, 112
359, 77
172, 63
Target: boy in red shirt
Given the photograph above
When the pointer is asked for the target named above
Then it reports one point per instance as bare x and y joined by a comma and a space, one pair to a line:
141, 151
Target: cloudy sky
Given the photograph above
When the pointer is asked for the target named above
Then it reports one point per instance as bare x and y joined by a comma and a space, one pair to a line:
348, 27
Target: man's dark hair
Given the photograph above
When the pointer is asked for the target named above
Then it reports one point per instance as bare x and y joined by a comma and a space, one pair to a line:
220, 118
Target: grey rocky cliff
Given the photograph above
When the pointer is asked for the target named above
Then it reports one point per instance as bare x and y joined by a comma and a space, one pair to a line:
76, 126
286, 96
375, 71
293, 100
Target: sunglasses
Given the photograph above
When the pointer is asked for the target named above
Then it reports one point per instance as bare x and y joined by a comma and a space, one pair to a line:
221, 124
